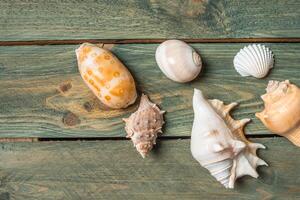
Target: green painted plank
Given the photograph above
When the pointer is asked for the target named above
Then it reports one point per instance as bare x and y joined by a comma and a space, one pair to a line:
114, 170
115, 19
43, 95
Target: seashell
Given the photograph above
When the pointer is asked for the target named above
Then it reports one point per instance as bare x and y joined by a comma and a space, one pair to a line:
106, 76
254, 60
178, 61
218, 142
144, 125
282, 110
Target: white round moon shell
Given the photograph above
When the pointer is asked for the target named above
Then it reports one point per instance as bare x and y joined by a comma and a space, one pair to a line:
178, 61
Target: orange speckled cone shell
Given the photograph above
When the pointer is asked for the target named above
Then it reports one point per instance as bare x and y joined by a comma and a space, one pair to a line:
282, 110
106, 76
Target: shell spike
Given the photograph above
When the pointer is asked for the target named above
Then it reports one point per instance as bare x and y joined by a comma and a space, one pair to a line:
244, 167
241, 123
143, 154
261, 162
245, 121
238, 146
145, 102
229, 107
256, 146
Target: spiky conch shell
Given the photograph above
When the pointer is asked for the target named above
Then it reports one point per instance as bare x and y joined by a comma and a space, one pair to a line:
218, 142
144, 125
282, 110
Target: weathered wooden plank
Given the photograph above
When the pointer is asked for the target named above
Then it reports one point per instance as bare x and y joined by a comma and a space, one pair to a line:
42, 94
114, 170
114, 19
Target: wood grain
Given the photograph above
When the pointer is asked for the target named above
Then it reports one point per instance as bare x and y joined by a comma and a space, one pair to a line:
134, 19
114, 170
42, 94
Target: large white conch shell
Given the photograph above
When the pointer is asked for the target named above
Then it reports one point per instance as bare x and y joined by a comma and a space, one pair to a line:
254, 60
218, 142
178, 61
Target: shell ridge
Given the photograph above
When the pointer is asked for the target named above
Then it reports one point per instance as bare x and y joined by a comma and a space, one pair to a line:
260, 65
247, 60
263, 56
254, 60
251, 59
232, 177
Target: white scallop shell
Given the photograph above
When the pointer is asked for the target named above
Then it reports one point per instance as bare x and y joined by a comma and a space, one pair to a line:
178, 61
218, 142
254, 60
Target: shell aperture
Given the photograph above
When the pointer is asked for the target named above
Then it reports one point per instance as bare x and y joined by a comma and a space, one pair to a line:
281, 114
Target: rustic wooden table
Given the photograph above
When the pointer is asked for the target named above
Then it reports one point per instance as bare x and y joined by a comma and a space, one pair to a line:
57, 141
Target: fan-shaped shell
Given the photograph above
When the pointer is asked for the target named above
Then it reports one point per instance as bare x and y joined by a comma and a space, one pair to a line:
178, 61
218, 142
106, 76
254, 60
282, 110
144, 125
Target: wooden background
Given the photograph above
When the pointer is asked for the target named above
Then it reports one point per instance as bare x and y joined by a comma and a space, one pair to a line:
57, 140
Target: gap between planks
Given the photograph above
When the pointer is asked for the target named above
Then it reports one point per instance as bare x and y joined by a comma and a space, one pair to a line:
3, 140
150, 41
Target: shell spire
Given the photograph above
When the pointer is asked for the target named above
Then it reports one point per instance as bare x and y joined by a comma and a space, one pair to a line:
218, 142
282, 110
144, 125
